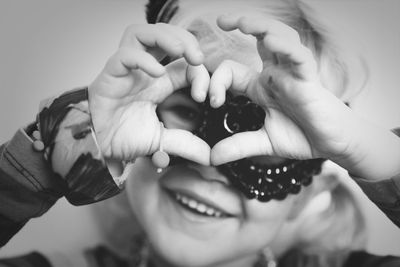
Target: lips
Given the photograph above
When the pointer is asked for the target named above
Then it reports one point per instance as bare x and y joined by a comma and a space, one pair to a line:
200, 195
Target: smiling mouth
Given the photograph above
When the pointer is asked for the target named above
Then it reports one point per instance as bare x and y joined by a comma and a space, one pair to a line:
197, 207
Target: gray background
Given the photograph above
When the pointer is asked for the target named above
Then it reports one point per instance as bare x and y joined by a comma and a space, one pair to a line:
50, 46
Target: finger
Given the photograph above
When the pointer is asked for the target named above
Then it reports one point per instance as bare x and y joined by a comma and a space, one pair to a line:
173, 40
180, 75
127, 59
185, 144
199, 78
221, 80
228, 22
280, 136
192, 51
296, 53
229, 75
150, 36
258, 27
241, 145
272, 34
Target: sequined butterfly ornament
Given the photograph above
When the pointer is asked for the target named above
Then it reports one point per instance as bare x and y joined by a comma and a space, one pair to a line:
255, 179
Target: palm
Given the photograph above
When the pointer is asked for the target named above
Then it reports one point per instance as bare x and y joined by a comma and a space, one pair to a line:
118, 113
306, 122
124, 97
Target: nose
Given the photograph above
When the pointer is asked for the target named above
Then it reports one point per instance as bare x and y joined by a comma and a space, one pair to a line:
211, 173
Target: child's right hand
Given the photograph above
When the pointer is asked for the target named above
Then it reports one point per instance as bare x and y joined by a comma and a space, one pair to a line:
124, 96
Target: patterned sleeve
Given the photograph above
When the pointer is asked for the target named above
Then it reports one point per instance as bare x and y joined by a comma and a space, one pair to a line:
67, 163
71, 149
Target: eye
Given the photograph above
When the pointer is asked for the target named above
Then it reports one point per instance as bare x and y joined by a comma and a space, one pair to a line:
185, 112
180, 117
179, 111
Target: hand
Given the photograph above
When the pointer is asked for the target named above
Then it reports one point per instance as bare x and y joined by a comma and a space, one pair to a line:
123, 98
303, 119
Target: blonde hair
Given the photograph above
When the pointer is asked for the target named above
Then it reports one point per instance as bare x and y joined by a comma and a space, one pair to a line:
333, 70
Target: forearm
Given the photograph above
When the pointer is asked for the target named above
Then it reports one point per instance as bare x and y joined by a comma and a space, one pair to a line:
27, 187
72, 151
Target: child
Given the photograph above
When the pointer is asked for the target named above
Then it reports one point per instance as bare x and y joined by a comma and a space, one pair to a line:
205, 210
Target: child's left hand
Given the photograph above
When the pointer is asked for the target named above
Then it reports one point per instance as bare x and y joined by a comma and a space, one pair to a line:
304, 120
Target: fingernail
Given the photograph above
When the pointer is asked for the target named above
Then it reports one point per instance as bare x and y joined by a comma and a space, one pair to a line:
213, 101
201, 96
158, 71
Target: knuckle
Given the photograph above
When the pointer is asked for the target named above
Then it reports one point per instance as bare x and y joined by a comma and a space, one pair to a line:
308, 52
178, 43
177, 46
290, 31
131, 33
193, 40
270, 40
227, 63
295, 34
133, 28
162, 27
123, 52
198, 71
167, 28
243, 23
163, 24
276, 24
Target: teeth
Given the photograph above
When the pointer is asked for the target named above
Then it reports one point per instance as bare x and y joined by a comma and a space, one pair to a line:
193, 204
199, 207
210, 211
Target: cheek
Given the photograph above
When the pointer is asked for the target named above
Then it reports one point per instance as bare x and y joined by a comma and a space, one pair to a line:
142, 188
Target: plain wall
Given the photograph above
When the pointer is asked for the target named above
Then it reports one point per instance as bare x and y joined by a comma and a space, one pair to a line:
50, 46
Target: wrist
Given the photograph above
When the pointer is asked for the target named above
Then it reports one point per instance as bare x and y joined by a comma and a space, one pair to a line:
101, 135
374, 153
72, 151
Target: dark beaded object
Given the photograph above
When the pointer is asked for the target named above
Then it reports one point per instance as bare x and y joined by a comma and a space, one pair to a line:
255, 180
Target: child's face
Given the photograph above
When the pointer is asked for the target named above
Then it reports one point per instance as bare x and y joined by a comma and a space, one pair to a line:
192, 217
190, 213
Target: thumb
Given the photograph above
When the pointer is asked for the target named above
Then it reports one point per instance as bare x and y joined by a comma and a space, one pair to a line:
186, 145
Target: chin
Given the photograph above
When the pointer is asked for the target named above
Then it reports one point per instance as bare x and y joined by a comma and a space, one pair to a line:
179, 254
